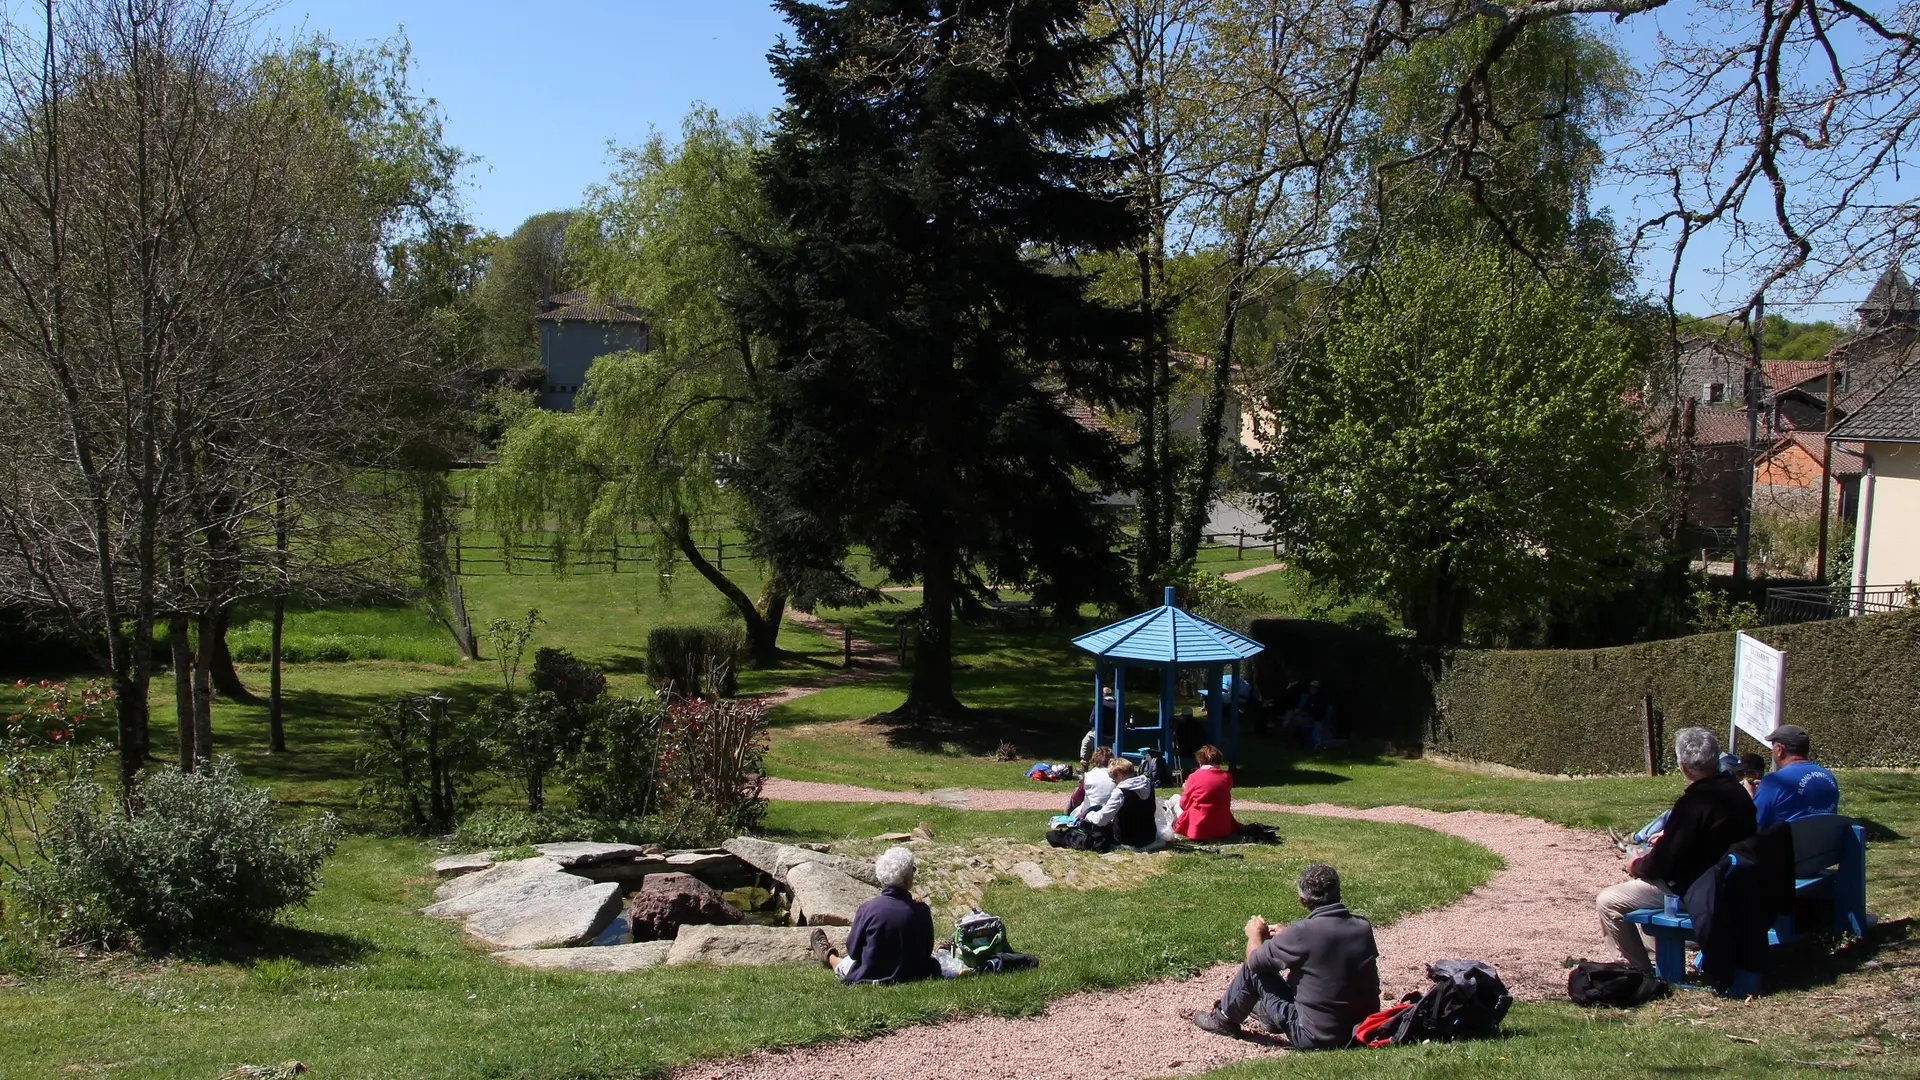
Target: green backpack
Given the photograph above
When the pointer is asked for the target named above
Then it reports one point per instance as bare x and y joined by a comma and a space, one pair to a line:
979, 937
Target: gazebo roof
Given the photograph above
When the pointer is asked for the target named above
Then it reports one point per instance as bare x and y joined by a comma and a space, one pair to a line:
1166, 635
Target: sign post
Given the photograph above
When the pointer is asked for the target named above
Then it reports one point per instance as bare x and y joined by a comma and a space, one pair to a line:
1759, 684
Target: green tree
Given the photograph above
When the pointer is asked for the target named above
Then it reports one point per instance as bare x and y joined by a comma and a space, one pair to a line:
932, 162
1463, 438
650, 448
527, 265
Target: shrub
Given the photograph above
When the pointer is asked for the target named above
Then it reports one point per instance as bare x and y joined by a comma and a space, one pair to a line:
712, 760
420, 763
200, 856
528, 736
500, 827
572, 681
612, 773
694, 660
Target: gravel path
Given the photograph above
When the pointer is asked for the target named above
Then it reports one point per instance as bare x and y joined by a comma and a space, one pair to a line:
1526, 921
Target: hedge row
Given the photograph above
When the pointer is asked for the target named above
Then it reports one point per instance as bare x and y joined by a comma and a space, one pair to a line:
1853, 683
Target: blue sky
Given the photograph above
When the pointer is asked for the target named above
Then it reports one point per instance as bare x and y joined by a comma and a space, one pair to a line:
536, 92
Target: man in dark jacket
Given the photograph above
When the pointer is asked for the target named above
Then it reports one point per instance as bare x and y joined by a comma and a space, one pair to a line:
891, 939
1331, 972
1712, 815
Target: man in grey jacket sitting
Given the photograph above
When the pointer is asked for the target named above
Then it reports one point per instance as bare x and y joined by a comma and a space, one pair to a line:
1311, 981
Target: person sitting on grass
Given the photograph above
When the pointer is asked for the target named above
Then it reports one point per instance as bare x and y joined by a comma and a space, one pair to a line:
1206, 802
1096, 785
1126, 816
1331, 969
891, 939
1711, 815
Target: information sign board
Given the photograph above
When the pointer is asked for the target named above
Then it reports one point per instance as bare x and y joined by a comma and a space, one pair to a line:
1759, 682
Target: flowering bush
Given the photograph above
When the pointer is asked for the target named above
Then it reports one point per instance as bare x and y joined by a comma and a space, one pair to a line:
57, 712
712, 757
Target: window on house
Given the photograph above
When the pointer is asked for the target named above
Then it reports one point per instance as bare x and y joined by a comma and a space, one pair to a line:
1716, 392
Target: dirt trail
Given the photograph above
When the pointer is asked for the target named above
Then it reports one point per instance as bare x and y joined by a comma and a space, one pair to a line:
869, 661
1526, 921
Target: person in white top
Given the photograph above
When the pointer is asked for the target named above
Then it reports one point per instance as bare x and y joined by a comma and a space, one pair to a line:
1097, 783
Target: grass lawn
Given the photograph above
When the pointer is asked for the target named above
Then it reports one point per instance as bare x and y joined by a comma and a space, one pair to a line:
361, 986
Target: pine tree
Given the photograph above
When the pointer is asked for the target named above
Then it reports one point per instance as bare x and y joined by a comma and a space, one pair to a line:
936, 168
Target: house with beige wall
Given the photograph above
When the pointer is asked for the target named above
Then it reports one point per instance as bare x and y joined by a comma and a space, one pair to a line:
1887, 537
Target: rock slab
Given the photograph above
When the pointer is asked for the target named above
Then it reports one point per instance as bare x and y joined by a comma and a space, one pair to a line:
582, 854
494, 875
454, 865
823, 896
745, 946
554, 922
1032, 873
607, 959
666, 902
526, 886
776, 860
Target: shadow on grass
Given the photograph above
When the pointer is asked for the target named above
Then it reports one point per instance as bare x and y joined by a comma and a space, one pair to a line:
1813, 962
1878, 833
981, 733
311, 948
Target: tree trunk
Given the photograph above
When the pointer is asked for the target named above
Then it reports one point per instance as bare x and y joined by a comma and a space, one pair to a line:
763, 632
763, 641
203, 693
1204, 476
930, 694
276, 728
178, 630
225, 679
1437, 613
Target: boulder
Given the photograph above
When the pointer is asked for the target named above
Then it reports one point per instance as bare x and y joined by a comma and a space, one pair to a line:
775, 860
823, 896
610, 959
495, 874
580, 854
745, 946
455, 865
552, 922
509, 891
666, 902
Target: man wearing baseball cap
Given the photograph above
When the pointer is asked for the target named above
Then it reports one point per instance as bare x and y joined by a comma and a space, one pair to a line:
1796, 787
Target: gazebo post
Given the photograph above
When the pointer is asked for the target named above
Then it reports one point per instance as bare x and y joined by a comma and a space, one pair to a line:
1168, 672
1214, 714
1096, 701
1233, 714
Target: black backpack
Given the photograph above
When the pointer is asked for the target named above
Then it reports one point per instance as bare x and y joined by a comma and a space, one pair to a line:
1612, 984
1466, 1001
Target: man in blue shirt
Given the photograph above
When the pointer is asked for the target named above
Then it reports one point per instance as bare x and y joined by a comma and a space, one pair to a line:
1796, 787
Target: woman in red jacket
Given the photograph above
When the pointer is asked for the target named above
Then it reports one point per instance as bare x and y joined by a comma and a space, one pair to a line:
1206, 802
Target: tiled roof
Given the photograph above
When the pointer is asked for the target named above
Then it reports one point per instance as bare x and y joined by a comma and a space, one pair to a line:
1893, 292
1718, 427
1891, 415
1782, 374
578, 306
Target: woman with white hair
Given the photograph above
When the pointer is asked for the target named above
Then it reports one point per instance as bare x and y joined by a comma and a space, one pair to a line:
891, 939
1712, 815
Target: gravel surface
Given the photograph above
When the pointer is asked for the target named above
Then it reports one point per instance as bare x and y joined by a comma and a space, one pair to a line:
1525, 921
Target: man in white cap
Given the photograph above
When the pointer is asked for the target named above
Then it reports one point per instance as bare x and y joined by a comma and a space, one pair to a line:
1796, 787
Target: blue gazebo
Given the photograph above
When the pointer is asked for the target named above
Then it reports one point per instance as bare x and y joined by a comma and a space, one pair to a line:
1168, 639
